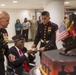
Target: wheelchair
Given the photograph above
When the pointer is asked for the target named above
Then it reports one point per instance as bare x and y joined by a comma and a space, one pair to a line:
10, 71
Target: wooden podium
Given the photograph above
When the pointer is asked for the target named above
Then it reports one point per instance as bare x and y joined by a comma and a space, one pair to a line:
54, 63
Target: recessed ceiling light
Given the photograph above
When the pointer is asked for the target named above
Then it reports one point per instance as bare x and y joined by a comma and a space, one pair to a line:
2, 5
66, 2
14, 1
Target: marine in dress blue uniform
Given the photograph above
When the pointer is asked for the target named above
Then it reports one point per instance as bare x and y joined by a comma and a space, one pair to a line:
3, 49
46, 33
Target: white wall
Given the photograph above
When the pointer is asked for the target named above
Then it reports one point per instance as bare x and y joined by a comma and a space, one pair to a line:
56, 10
15, 14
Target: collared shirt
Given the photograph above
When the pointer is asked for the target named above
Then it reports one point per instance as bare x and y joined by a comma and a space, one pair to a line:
22, 53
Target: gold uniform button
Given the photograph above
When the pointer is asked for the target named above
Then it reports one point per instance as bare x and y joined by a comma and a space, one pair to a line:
45, 26
45, 29
44, 34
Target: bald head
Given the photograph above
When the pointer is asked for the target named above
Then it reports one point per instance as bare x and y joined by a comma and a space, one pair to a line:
3, 14
4, 19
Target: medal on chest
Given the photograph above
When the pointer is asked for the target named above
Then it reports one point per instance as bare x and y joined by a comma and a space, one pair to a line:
5, 35
49, 29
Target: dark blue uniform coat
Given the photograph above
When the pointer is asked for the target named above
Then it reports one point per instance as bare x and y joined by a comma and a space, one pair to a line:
4, 50
46, 33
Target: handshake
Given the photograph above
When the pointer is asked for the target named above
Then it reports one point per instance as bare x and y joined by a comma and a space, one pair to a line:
32, 51
35, 50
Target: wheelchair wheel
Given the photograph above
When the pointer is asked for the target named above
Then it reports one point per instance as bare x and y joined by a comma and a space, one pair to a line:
7, 73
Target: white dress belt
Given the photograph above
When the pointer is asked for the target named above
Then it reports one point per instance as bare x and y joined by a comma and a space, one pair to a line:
44, 42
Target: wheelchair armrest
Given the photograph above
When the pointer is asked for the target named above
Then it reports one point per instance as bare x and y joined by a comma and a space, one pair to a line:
9, 68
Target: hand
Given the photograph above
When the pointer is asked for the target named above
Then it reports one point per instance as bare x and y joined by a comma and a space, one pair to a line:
42, 49
33, 46
11, 57
18, 29
34, 51
31, 51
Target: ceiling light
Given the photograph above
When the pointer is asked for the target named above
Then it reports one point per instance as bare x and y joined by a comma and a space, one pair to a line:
14, 1
66, 2
2, 5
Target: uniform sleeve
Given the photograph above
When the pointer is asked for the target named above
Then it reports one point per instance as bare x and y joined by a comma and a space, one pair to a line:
37, 37
31, 57
51, 43
7, 52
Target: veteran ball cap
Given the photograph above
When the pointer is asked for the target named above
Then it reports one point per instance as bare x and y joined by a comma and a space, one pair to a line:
45, 13
18, 37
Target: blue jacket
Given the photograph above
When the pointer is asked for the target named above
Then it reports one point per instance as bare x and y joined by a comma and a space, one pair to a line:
18, 26
18, 64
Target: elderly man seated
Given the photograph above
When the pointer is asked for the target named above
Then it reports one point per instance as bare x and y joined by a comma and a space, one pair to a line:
22, 55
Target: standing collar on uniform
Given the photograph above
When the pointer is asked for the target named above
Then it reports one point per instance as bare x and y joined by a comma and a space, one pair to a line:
47, 23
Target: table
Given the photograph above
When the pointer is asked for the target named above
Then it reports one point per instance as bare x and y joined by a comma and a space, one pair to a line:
54, 63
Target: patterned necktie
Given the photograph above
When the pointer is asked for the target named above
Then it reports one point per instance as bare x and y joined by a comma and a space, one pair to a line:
26, 67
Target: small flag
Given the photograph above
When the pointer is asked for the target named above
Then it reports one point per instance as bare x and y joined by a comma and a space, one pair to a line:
62, 33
